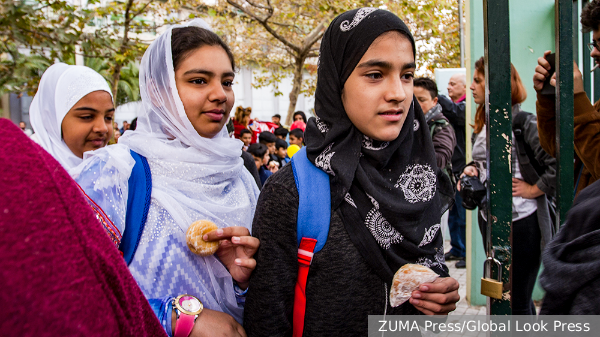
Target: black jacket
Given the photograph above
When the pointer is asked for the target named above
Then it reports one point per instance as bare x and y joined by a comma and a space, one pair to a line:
455, 113
571, 275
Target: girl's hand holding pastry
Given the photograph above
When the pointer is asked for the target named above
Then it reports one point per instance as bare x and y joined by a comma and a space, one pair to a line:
236, 251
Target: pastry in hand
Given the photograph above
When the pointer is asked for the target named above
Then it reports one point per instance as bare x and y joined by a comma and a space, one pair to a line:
408, 279
194, 238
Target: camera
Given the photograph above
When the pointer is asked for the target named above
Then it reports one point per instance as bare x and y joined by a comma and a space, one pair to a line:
472, 192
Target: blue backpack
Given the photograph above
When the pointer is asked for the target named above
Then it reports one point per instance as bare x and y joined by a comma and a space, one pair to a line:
138, 203
314, 215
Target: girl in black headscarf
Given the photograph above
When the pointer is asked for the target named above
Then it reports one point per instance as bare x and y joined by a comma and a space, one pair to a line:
387, 194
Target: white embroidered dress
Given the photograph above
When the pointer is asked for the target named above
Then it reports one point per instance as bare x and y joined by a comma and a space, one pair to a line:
193, 178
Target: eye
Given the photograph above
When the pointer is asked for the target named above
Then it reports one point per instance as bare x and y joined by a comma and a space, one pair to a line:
374, 76
198, 81
408, 76
109, 118
228, 83
86, 117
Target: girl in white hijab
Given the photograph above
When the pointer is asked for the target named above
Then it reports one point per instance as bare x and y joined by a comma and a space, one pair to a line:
197, 173
72, 112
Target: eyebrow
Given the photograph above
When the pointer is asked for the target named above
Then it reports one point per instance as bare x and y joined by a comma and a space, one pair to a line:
85, 108
207, 73
384, 64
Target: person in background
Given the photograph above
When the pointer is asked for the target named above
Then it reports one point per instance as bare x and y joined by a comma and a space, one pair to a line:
117, 135
299, 116
441, 131
260, 152
276, 119
281, 133
269, 140
454, 110
457, 87
444, 142
125, 127
297, 137
246, 138
532, 224
69, 123
25, 129
281, 152
133, 124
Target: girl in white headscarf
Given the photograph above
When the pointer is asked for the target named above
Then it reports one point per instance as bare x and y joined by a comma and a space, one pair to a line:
197, 173
72, 112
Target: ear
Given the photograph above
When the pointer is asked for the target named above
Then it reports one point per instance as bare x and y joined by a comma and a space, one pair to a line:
435, 100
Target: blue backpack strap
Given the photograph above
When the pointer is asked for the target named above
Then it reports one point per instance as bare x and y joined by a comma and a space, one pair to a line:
314, 214
138, 204
314, 209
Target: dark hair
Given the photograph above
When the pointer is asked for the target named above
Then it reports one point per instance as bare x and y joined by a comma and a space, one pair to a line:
245, 131
133, 124
184, 40
280, 143
301, 113
258, 150
427, 84
266, 137
518, 93
277, 116
298, 133
590, 16
281, 132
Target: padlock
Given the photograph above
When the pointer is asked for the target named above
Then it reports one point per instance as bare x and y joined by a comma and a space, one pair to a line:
489, 286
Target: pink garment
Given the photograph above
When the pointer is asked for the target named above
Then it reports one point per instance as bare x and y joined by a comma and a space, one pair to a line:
60, 275
462, 98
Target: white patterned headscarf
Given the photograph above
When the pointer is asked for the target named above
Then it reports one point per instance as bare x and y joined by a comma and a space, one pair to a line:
60, 88
193, 178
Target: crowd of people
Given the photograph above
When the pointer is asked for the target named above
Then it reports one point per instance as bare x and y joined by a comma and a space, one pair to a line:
389, 152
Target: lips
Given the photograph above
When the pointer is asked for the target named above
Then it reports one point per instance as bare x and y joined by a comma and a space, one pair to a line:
392, 115
215, 115
99, 142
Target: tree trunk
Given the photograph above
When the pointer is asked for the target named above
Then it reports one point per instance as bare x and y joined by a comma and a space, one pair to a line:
298, 66
116, 75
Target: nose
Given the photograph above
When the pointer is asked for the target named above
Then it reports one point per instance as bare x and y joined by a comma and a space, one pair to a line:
100, 125
217, 93
395, 90
472, 87
595, 53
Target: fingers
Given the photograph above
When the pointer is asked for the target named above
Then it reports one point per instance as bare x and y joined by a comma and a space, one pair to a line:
440, 285
241, 331
432, 308
245, 263
226, 233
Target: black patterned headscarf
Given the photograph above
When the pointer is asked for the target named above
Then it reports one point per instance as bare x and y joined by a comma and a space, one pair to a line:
390, 195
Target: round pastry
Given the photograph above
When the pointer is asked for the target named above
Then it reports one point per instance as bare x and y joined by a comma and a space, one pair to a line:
408, 279
194, 238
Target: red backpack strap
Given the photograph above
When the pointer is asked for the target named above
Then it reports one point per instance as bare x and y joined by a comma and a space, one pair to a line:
305, 255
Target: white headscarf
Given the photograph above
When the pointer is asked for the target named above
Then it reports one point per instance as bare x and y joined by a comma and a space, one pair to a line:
193, 178
61, 87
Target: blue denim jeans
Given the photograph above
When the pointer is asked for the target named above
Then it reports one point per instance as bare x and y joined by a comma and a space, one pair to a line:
457, 226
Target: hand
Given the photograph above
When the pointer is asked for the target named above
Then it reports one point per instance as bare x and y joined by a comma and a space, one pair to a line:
524, 190
216, 323
470, 171
542, 72
273, 166
436, 298
236, 251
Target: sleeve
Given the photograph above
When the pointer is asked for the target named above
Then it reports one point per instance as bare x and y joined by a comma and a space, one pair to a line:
455, 112
547, 182
444, 142
545, 107
163, 309
587, 134
104, 176
270, 299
